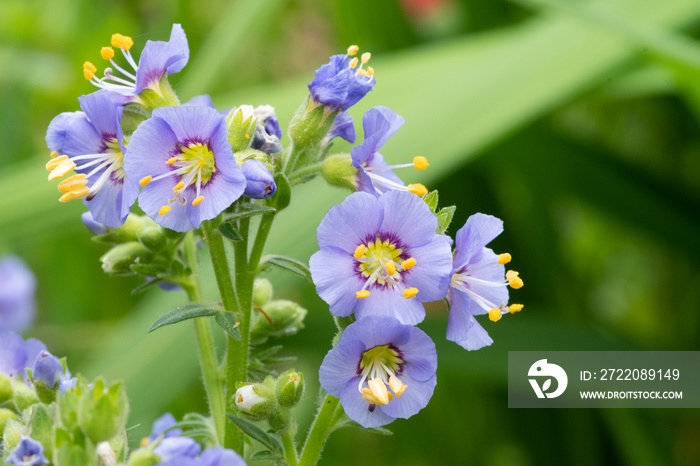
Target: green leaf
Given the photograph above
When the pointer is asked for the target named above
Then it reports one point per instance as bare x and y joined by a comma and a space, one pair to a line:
286, 263
432, 200
184, 312
227, 321
445, 218
249, 210
257, 433
228, 230
283, 195
146, 285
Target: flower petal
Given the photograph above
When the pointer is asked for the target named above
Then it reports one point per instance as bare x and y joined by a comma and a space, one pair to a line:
415, 398
159, 57
351, 223
431, 274
334, 274
390, 303
462, 327
477, 232
420, 355
358, 410
340, 365
407, 217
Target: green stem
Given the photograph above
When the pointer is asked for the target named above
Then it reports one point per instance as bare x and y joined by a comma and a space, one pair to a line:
320, 430
260, 239
207, 352
292, 160
235, 372
290, 452
306, 171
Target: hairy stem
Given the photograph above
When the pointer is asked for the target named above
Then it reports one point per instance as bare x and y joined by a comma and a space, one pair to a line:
320, 429
290, 452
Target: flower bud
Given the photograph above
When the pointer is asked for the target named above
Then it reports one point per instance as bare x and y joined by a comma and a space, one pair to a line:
47, 373
282, 318
6, 391
257, 401
152, 237
262, 291
24, 396
311, 123
119, 259
289, 388
241, 124
12, 433
338, 170
143, 457
118, 235
260, 183
5, 415
102, 410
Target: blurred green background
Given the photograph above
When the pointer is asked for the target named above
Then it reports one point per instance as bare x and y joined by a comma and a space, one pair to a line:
574, 122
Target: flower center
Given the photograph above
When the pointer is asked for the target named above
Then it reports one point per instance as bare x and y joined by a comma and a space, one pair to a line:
381, 262
379, 367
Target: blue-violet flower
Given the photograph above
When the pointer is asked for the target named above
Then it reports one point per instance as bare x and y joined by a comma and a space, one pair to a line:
340, 84
17, 286
28, 452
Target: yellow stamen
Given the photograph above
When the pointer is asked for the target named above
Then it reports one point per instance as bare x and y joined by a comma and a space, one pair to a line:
420, 162
363, 72
417, 189
362, 294
77, 194
390, 268
409, 292
513, 280
144, 441
353, 49
513, 308
171, 160
408, 263
55, 162
127, 42
370, 71
89, 66
197, 200
240, 398
107, 53
365, 57
247, 136
164, 210
88, 74
72, 183
378, 389
504, 258
396, 385
117, 40
53, 154
179, 186
62, 169
353, 62
145, 180
495, 314
359, 251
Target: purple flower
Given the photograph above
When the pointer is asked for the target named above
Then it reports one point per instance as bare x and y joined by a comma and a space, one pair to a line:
185, 163
17, 286
28, 452
13, 353
340, 83
91, 143
267, 119
343, 127
220, 456
381, 256
163, 423
477, 284
157, 59
374, 176
260, 183
381, 370
47, 370
177, 447
96, 228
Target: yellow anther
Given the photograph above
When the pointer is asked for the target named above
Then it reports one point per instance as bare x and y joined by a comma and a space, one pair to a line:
107, 53
72, 183
171, 160
145, 180
89, 66
247, 136
365, 57
362, 294
397, 386
55, 162
363, 72
379, 391
88, 74
417, 189
409, 292
390, 268
408, 263
127, 42
370, 71
53, 154
240, 398
420, 162
359, 251
197, 200
117, 40
179, 186
513, 280
164, 210
353, 49
144, 441
62, 169
353, 62
77, 194
504, 258
513, 308
495, 314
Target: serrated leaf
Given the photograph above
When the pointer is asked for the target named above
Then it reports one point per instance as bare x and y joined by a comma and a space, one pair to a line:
185, 312
432, 200
283, 195
445, 218
286, 263
257, 433
227, 321
228, 230
265, 455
